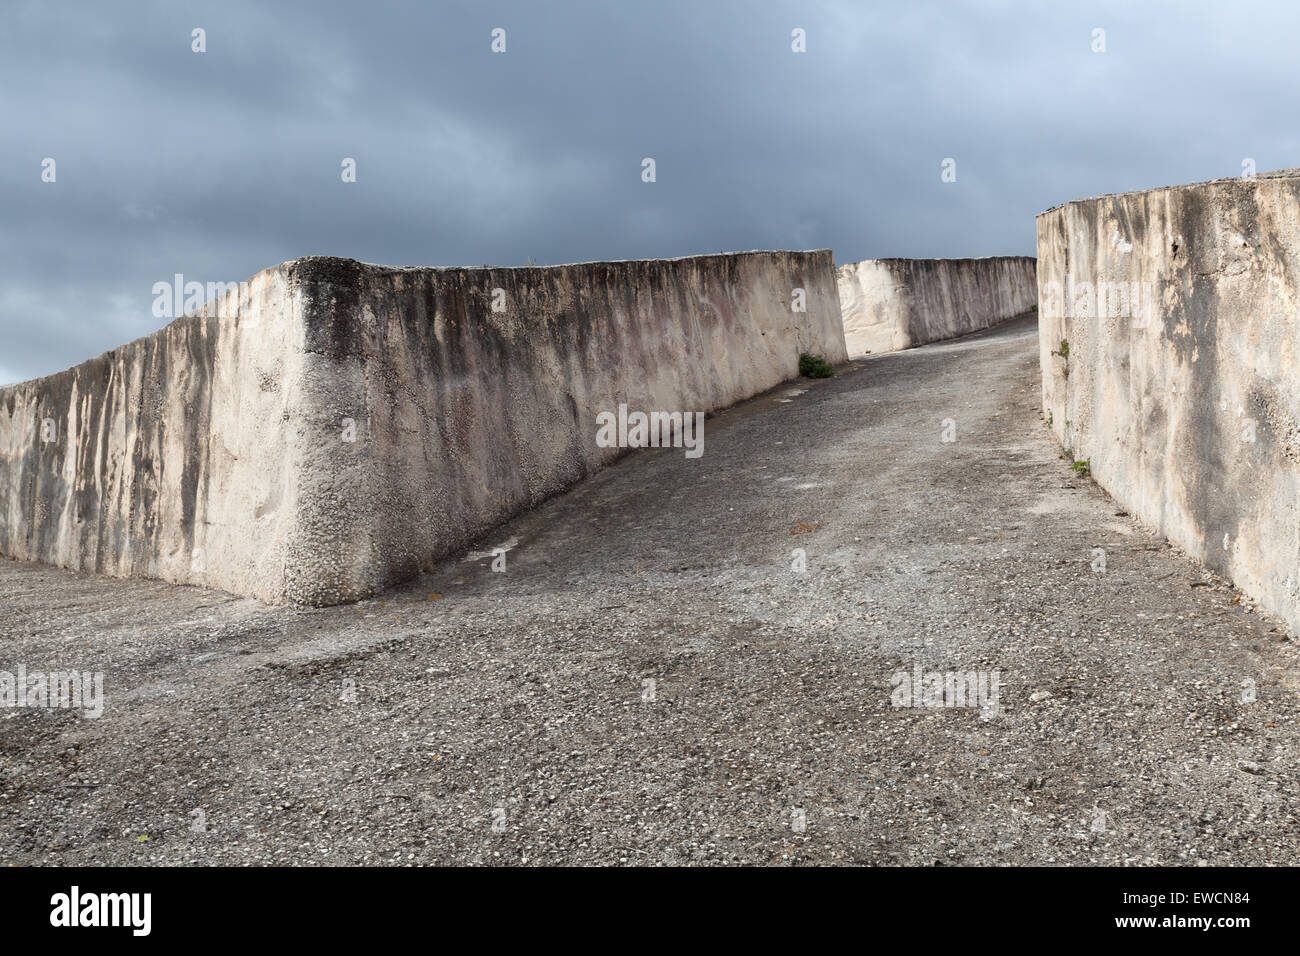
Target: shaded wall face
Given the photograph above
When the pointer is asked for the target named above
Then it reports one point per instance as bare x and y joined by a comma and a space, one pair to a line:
152, 460
473, 414
891, 304
1168, 340
332, 428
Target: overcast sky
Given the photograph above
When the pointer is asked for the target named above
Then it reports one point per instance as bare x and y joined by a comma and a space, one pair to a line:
219, 164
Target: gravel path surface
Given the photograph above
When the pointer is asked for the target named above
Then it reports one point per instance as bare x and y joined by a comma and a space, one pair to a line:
650, 681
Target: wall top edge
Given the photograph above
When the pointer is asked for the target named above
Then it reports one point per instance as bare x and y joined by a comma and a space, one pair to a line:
330, 267
1279, 174
337, 269
892, 259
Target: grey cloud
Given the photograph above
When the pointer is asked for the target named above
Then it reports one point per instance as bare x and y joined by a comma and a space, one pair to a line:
218, 165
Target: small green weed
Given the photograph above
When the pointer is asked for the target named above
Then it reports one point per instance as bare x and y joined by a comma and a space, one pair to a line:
815, 366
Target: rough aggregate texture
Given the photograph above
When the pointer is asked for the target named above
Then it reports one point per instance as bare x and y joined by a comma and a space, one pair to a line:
469, 414
523, 691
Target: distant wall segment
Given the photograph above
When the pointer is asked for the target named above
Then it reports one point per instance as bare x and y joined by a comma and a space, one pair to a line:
891, 304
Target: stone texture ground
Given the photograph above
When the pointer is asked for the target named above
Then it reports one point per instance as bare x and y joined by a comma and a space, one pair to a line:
521, 691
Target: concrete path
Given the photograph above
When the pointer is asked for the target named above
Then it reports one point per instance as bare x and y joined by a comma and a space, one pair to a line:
650, 681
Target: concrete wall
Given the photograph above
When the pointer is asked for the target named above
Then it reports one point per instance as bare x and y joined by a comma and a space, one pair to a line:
471, 416
1180, 380
164, 458
891, 304
342, 426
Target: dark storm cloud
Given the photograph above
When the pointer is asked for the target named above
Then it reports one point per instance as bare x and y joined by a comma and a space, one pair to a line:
219, 164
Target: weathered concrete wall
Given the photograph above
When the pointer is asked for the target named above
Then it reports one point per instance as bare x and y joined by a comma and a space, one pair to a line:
166, 457
342, 425
1178, 378
891, 304
471, 416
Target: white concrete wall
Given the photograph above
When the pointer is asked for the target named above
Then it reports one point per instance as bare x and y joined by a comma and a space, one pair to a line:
472, 416
891, 304
166, 456
1179, 378
216, 451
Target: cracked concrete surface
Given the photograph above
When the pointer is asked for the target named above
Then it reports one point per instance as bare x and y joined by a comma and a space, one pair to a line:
650, 682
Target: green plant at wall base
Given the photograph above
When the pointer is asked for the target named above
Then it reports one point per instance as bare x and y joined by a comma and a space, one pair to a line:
1082, 468
1064, 350
814, 366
